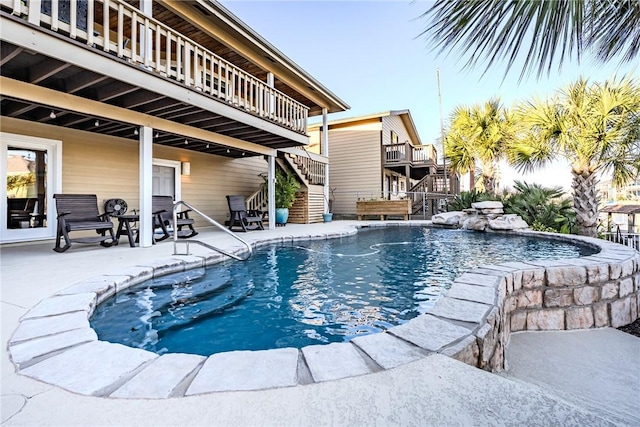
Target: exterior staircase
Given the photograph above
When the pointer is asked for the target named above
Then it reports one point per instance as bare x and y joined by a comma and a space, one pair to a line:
309, 170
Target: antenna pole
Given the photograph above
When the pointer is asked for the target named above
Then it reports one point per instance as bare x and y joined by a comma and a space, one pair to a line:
444, 162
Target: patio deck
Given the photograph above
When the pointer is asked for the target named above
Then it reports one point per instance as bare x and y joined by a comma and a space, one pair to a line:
435, 390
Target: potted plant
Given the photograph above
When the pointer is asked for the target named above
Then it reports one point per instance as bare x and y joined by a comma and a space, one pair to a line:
286, 186
328, 215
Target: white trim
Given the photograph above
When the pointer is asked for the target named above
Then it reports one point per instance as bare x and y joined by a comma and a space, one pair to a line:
54, 185
177, 179
145, 229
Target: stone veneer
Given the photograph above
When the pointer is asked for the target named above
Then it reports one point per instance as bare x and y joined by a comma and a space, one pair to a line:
472, 323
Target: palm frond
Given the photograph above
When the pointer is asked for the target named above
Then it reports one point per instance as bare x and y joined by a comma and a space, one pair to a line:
498, 30
541, 33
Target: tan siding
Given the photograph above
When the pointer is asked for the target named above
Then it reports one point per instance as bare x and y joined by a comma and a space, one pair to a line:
395, 123
355, 164
314, 141
108, 167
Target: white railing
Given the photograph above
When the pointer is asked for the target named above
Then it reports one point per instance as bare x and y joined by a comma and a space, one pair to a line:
122, 30
627, 239
422, 154
259, 200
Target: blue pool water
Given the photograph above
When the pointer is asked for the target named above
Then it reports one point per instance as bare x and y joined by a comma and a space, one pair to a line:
308, 293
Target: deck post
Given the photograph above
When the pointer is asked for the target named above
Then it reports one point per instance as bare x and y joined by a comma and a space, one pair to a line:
325, 152
146, 7
271, 102
271, 190
145, 226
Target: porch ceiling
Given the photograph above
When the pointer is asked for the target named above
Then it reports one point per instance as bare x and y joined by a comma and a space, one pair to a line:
416, 172
39, 69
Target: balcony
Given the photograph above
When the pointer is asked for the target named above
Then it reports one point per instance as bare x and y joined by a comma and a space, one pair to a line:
116, 29
416, 161
402, 154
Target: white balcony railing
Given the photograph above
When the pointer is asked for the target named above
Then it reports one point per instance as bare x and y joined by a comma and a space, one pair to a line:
122, 30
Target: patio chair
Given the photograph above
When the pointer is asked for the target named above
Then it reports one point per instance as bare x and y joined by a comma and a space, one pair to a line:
79, 212
17, 216
162, 208
240, 216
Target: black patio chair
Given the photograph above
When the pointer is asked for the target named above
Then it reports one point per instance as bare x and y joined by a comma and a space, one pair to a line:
240, 216
162, 208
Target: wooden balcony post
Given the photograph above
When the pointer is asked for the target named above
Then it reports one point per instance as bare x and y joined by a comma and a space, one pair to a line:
105, 25
272, 100
146, 7
34, 12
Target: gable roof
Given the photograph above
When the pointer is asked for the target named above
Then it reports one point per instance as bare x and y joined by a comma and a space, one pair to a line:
405, 116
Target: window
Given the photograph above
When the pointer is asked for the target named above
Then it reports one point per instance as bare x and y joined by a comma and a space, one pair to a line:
394, 137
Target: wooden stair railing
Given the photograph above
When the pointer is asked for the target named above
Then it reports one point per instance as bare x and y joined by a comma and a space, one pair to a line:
259, 200
311, 170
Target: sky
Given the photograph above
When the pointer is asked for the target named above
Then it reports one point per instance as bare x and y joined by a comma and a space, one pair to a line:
371, 55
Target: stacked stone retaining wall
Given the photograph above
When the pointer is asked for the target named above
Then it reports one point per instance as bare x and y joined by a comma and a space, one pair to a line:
596, 291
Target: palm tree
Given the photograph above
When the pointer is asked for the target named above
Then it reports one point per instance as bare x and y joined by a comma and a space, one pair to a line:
479, 136
494, 30
594, 126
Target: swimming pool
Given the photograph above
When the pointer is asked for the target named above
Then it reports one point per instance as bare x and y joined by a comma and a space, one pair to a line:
308, 293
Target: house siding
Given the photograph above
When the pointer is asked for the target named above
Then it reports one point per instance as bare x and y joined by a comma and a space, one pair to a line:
108, 167
355, 164
394, 123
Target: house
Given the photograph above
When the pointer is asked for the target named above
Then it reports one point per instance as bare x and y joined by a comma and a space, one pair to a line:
381, 156
132, 98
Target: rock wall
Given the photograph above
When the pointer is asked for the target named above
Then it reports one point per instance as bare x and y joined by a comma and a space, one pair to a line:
483, 216
581, 293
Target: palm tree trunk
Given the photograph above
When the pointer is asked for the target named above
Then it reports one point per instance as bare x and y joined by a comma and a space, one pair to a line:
472, 176
585, 202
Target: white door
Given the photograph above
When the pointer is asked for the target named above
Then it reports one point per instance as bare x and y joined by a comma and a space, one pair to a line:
30, 174
164, 181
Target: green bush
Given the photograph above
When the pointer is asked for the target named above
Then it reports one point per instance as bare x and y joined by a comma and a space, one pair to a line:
286, 187
466, 198
542, 208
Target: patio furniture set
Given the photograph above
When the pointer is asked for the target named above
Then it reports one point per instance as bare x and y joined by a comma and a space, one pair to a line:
80, 212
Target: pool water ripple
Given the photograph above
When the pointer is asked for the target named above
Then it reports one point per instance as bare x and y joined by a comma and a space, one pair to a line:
311, 293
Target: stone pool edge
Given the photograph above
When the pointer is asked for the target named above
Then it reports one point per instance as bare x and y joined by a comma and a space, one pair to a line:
471, 324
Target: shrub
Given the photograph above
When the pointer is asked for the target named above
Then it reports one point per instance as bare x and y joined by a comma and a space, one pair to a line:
466, 198
541, 207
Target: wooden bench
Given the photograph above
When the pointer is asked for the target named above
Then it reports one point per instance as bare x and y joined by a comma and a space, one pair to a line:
79, 212
384, 208
162, 208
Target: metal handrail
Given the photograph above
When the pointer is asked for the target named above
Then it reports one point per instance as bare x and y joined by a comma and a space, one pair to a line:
201, 243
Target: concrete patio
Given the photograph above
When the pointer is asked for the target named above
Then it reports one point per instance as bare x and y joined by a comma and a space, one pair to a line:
571, 378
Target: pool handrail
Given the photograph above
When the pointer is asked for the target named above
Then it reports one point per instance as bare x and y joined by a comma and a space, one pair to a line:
201, 243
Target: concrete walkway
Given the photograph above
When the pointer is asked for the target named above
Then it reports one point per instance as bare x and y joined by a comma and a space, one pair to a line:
555, 378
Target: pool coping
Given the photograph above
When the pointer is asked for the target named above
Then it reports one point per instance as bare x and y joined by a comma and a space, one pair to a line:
472, 324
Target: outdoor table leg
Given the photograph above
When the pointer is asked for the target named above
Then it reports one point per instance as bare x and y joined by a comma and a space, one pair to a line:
125, 223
